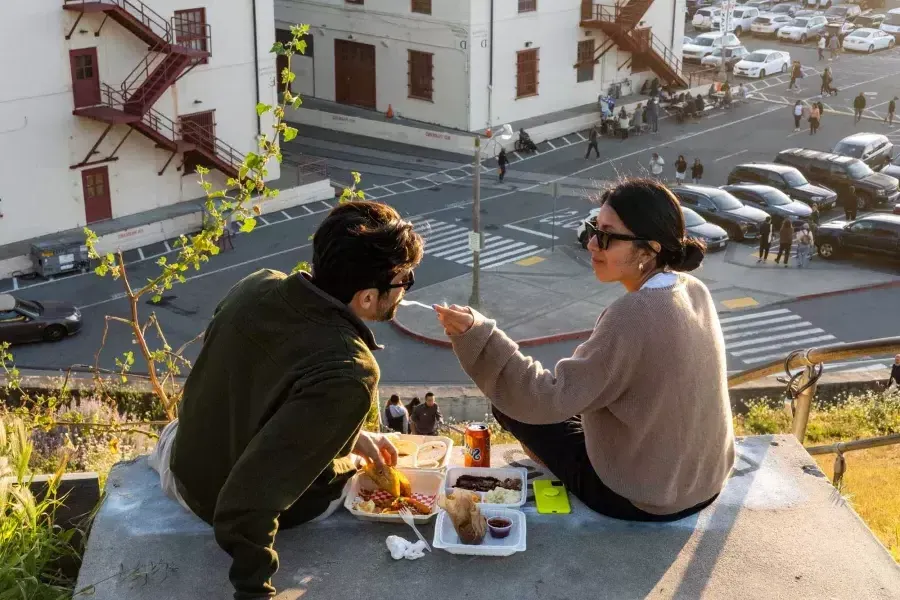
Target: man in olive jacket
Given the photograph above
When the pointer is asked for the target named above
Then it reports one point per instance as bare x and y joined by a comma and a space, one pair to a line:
274, 406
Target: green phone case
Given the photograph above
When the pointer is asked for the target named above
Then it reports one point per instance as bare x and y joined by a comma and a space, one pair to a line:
551, 499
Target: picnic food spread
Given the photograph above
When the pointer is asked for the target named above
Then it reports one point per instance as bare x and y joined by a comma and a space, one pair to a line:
466, 517
501, 495
486, 484
394, 494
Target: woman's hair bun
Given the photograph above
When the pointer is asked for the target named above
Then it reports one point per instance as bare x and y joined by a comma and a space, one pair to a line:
689, 258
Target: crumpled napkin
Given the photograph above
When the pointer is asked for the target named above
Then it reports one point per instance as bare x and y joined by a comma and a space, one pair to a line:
401, 548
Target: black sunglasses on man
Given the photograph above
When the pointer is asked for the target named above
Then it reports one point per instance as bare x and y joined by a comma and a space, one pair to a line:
407, 284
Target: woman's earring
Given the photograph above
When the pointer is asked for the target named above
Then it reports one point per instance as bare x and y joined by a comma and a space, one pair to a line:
641, 267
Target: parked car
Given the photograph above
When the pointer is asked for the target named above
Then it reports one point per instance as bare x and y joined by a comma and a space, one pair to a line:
840, 172
877, 233
873, 149
761, 5
841, 29
771, 201
892, 168
733, 54
718, 206
873, 20
802, 29
762, 63
787, 179
581, 230
786, 8
842, 12
742, 18
699, 228
768, 25
703, 18
868, 40
23, 321
687, 40
869, 4
705, 43
817, 3
891, 23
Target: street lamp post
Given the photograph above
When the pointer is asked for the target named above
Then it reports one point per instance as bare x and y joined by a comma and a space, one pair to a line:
475, 238
725, 25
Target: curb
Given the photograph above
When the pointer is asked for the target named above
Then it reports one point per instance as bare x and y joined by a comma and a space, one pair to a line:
526, 343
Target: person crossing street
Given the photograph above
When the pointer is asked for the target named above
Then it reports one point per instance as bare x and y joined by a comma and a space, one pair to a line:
765, 239
502, 160
592, 142
892, 106
697, 171
798, 114
821, 47
656, 165
859, 105
796, 73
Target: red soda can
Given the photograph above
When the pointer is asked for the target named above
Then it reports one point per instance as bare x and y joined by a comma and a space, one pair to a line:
478, 445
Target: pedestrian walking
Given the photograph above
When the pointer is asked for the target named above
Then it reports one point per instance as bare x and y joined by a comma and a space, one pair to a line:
804, 247
796, 73
502, 160
636, 118
848, 203
623, 123
653, 114
834, 46
656, 165
785, 240
798, 114
821, 47
814, 115
859, 105
593, 134
826, 82
697, 171
765, 239
892, 106
680, 168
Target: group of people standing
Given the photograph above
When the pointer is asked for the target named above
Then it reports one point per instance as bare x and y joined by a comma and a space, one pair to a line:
813, 115
415, 417
786, 237
657, 166
832, 42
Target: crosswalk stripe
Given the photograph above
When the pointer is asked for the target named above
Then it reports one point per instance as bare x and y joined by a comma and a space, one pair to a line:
773, 338
742, 334
506, 257
799, 343
498, 245
432, 229
745, 317
796, 343
449, 246
443, 233
763, 322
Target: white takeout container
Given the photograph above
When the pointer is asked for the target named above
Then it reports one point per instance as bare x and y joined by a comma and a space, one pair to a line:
411, 462
501, 474
429, 483
446, 538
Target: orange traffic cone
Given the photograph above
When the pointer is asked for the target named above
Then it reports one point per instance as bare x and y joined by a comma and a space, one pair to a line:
390, 112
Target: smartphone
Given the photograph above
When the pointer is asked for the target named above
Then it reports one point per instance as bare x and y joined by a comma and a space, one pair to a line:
551, 497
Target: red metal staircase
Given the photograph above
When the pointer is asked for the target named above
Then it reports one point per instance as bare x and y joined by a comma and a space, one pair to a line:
619, 23
173, 50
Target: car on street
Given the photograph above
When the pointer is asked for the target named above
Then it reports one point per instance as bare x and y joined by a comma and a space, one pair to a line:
742, 18
771, 201
760, 63
581, 231
868, 40
718, 206
892, 168
877, 233
687, 40
705, 43
787, 179
699, 228
842, 12
23, 321
803, 29
703, 18
733, 53
768, 25
786, 8
873, 149
840, 173
891, 23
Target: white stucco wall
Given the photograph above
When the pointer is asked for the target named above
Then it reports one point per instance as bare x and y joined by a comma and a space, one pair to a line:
40, 138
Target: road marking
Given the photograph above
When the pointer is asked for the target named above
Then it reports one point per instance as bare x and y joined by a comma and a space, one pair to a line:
15, 281
740, 303
566, 140
743, 334
306, 208
261, 218
166, 246
549, 143
779, 311
796, 343
286, 216
532, 232
581, 137
772, 321
516, 154
141, 253
729, 155
531, 260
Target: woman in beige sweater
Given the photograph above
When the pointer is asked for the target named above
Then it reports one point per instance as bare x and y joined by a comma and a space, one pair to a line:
637, 423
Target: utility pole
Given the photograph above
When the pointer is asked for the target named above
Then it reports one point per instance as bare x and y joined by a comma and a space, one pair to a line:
725, 24
475, 235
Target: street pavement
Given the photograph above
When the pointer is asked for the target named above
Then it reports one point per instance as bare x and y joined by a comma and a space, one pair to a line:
520, 217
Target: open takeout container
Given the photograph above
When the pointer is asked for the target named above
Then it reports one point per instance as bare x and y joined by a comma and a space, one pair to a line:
446, 538
421, 445
506, 473
426, 487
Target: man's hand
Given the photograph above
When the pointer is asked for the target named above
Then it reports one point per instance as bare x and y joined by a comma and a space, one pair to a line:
376, 448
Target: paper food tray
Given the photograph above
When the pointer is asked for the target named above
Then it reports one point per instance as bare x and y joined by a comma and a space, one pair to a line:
411, 461
424, 484
501, 474
446, 538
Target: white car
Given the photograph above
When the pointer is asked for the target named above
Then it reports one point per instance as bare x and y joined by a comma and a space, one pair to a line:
817, 3
762, 63
581, 231
703, 18
741, 19
868, 40
705, 43
734, 54
769, 24
802, 29
891, 24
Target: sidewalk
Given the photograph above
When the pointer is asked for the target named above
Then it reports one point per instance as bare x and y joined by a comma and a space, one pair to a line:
547, 297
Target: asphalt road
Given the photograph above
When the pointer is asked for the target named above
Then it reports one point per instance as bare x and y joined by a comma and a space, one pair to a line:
436, 189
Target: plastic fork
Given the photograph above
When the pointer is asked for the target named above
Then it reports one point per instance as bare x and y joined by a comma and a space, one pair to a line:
407, 517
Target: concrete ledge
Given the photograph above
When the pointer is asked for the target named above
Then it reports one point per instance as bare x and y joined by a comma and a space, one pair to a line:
777, 530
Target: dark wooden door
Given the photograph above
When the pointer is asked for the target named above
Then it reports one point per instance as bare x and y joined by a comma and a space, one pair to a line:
641, 38
354, 73
97, 205
200, 129
85, 77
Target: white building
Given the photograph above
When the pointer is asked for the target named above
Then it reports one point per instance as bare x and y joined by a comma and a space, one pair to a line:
471, 64
107, 105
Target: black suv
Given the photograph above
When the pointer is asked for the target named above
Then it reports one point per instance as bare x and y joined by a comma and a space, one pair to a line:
719, 207
877, 233
840, 172
774, 203
874, 149
787, 179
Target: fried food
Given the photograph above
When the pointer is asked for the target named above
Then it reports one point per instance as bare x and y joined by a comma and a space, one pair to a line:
389, 479
469, 523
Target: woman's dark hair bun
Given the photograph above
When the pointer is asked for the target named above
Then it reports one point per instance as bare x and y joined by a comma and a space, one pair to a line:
689, 258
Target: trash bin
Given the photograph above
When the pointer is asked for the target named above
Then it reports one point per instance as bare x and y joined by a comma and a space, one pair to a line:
54, 258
